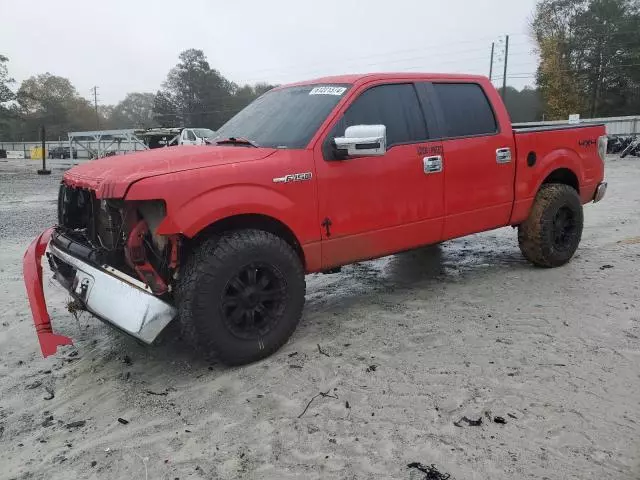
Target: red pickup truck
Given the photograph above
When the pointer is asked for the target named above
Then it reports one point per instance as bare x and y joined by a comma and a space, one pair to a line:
309, 177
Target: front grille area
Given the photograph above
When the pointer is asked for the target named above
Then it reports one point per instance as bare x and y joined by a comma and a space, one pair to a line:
75, 209
97, 231
97, 223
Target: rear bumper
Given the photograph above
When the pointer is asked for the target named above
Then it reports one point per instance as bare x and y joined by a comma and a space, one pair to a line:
601, 191
110, 295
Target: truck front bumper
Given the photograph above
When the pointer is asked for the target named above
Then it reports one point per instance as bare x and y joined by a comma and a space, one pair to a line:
110, 295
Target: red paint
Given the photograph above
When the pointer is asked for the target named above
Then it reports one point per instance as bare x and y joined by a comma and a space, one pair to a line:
478, 190
32, 272
136, 255
377, 205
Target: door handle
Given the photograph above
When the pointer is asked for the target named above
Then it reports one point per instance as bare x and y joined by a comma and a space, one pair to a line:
432, 164
503, 155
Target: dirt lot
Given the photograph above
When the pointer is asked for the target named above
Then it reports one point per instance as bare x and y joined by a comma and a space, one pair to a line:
409, 345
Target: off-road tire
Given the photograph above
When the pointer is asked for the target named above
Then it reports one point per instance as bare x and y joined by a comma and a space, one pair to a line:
206, 275
536, 235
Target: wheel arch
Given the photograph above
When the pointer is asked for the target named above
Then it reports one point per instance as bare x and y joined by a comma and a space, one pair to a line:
562, 175
248, 221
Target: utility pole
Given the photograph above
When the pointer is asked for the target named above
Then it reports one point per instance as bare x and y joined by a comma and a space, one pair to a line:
504, 77
493, 48
95, 103
43, 136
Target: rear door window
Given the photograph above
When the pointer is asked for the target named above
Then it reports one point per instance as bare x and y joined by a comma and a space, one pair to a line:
466, 110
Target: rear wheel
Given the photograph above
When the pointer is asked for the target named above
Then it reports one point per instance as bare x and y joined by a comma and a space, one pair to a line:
241, 295
552, 233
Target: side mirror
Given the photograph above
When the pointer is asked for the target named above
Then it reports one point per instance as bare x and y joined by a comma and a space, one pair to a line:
363, 141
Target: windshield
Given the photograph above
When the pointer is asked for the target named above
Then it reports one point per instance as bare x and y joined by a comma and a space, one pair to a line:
284, 118
204, 133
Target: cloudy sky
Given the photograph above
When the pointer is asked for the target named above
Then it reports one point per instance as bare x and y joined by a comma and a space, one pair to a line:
130, 45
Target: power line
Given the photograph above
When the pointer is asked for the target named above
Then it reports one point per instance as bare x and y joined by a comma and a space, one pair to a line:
381, 54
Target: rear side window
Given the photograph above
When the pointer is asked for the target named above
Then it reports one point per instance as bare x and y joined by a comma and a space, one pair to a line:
395, 106
466, 110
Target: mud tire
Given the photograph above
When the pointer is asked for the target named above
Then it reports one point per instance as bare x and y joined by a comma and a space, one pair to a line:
551, 235
203, 289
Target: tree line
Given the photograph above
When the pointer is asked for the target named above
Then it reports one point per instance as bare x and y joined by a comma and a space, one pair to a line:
589, 57
193, 94
589, 63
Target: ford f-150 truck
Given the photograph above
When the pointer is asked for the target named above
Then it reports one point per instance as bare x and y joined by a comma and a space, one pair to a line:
309, 177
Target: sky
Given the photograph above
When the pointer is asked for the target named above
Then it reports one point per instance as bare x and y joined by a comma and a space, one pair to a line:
127, 46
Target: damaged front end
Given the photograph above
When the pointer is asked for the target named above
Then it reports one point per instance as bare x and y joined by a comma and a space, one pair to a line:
105, 254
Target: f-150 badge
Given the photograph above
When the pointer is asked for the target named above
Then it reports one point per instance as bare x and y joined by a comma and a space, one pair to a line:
294, 177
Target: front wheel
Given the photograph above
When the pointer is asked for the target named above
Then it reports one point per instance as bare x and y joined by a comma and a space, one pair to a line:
241, 295
552, 233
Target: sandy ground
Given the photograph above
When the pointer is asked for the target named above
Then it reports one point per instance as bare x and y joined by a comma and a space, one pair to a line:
411, 344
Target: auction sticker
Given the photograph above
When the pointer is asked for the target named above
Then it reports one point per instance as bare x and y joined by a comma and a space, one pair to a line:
328, 90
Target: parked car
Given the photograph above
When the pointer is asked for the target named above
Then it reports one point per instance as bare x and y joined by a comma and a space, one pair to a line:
62, 152
307, 178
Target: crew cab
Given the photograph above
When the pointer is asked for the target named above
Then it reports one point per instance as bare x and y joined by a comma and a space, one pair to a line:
307, 178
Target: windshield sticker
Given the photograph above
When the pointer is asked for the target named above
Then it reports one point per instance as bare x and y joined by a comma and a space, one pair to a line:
328, 91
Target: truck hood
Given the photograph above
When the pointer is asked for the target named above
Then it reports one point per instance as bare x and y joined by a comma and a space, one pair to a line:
110, 177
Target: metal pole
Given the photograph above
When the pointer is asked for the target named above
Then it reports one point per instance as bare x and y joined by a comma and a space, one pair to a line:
95, 102
70, 147
44, 170
493, 47
504, 77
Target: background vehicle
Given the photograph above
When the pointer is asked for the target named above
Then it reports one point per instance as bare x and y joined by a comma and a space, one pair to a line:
307, 178
195, 136
171, 136
62, 152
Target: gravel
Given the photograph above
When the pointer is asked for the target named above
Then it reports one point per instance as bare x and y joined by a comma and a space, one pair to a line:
464, 329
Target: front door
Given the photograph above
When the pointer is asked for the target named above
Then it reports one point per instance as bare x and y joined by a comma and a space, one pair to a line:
479, 160
373, 206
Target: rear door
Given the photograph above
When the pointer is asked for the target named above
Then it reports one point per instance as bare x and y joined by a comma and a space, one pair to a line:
479, 159
377, 205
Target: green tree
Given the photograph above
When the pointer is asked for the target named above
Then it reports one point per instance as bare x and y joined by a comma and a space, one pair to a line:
53, 101
164, 110
198, 94
6, 94
608, 32
135, 111
8, 113
589, 52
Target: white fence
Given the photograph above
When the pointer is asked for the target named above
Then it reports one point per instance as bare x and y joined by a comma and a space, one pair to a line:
25, 147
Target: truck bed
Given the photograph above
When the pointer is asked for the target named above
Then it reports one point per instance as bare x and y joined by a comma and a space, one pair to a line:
569, 151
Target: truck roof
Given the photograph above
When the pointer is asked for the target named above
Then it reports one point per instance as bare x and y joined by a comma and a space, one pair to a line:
367, 77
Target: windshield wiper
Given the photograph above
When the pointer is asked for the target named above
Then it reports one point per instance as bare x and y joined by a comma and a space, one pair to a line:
237, 141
